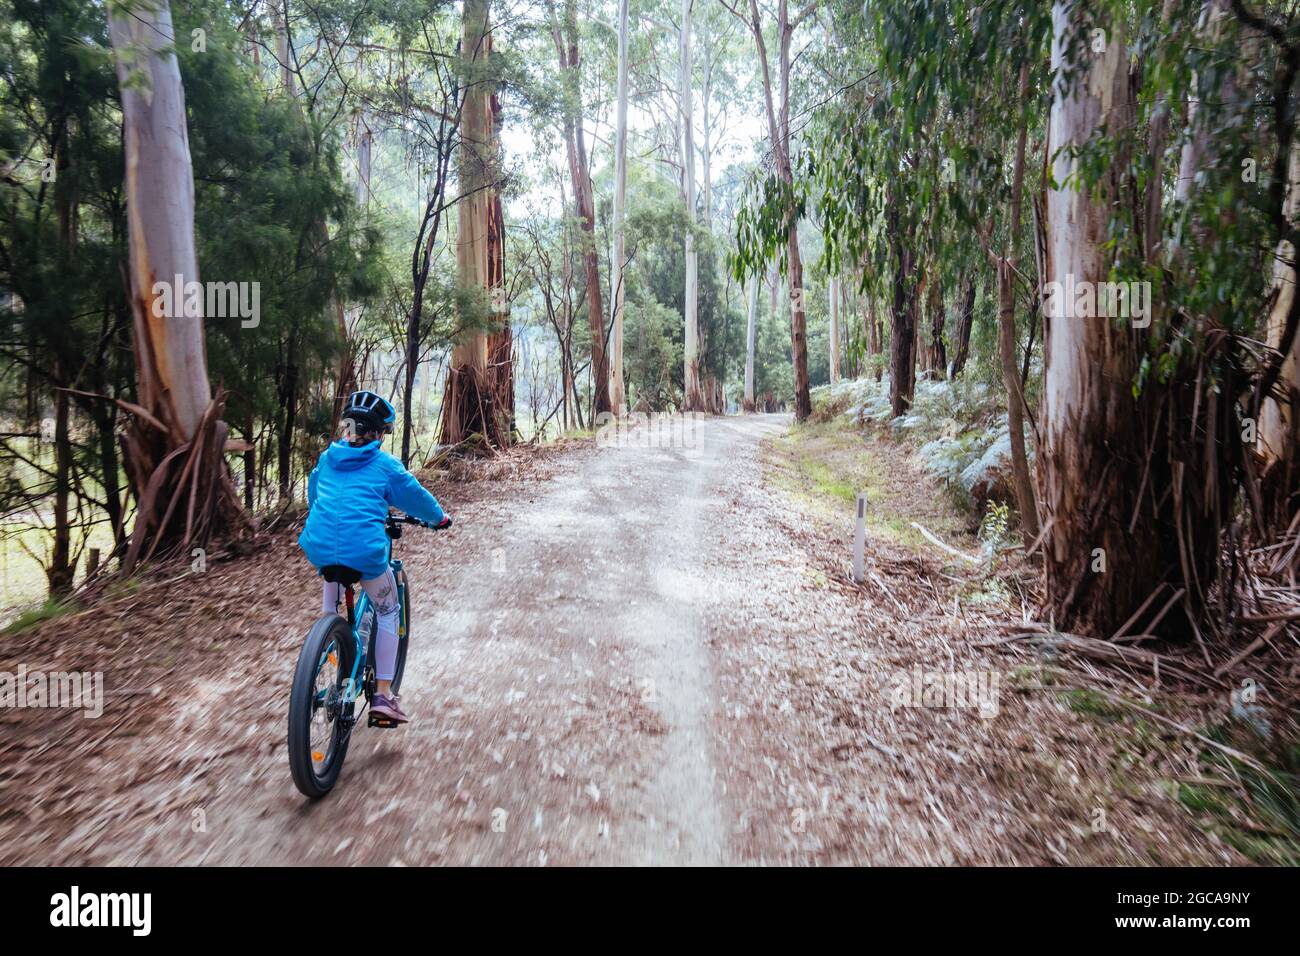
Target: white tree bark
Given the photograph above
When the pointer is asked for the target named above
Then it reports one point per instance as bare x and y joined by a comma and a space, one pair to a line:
1076, 229
170, 350
282, 48
1089, 416
777, 105
706, 154
617, 396
1276, 420
693, 397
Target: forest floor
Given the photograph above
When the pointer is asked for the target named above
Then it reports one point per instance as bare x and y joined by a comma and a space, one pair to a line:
621, 655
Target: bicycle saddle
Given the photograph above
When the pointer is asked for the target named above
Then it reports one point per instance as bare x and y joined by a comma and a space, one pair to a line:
340, 574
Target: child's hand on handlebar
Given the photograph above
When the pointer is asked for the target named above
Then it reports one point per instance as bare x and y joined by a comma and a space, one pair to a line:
443, 524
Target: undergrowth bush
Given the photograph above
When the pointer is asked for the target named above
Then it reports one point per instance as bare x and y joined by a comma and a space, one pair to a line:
958, 426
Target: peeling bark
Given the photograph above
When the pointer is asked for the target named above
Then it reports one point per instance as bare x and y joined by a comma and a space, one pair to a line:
177, 452
479, 397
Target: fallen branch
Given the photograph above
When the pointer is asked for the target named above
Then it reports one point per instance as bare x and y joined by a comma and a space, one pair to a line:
947, 547
1251, 648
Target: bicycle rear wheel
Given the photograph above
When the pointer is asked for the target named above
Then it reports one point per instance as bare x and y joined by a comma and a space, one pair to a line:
318, 741
403, 629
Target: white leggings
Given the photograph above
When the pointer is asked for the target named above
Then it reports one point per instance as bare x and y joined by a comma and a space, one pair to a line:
383, 595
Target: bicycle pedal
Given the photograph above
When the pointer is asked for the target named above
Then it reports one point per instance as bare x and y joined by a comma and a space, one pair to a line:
384, 723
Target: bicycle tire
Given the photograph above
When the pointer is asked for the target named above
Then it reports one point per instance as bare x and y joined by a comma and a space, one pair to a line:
310, 781
404, 629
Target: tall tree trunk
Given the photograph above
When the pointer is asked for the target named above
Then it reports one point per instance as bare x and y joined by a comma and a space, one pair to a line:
60, 571
751, 333
617, 393
1089, 461
774, 284
798, 333
364, 140
778, 124
105, 423
962, 350
1007, 339
706, 126
938, 357
479, 396
902, 335
501, 340
107, 417
1157, 136
347, 317
282, 52
693, 397
566, 46
176, 451
833, 332
250, 462
875, 337
1277, 426
288, 387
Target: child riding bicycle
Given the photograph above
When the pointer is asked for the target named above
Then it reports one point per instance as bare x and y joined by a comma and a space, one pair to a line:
348, 496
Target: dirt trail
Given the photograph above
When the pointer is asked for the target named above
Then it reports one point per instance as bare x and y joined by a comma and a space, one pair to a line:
650, 657
559, 681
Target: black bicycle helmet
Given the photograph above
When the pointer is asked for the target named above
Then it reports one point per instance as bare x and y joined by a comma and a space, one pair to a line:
369, 412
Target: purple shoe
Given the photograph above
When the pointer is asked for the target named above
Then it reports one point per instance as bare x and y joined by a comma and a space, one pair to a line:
388, 707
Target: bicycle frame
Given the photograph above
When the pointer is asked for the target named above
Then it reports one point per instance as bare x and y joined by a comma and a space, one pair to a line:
362, 616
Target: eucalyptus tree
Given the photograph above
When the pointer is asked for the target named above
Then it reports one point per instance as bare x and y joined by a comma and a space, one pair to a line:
1165, 391
479, 398
910, 160
617, 391
566, 36
176, 439
693, 398
765, 242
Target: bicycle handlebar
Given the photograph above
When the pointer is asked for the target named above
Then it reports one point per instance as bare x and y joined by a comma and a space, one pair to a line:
407, 519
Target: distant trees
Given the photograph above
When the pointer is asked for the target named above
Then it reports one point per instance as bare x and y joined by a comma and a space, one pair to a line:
567, 49
1148, 170
776, 95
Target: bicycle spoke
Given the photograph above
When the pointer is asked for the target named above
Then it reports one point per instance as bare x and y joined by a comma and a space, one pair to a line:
323, 721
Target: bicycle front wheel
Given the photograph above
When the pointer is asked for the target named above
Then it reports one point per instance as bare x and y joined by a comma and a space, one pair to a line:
318, 740
403, 628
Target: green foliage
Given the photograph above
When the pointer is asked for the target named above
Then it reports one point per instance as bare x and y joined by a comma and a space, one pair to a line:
271, 208
267, 182
995, 528
48, 611
1260, 814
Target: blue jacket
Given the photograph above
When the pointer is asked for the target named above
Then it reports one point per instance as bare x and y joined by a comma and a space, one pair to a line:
348, 496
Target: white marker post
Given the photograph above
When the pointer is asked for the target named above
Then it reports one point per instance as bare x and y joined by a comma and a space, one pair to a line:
860, 539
